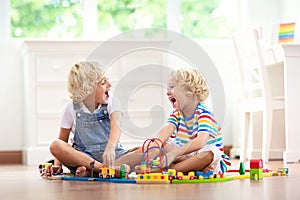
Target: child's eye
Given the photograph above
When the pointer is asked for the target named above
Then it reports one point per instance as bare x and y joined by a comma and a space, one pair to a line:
104, 81
171, 86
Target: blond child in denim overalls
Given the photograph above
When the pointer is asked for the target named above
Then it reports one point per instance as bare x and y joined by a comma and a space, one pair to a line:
93, 119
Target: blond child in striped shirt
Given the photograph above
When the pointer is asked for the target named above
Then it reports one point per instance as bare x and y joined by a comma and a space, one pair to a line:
192, 136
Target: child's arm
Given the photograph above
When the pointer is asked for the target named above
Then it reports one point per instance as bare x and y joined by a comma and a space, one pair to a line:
114, 137
57, 166
194, 145
67, 120
165, 132
64, 134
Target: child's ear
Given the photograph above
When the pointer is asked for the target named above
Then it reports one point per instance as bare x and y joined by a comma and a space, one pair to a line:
189, 93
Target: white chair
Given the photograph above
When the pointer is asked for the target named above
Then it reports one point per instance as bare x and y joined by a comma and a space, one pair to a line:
256, 90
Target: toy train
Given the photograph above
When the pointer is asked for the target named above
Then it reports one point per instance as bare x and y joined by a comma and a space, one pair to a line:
171, 174
106, 172
109, 173
281, 172
153, 178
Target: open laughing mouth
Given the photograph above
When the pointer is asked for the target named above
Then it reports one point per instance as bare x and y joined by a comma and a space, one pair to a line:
173, 101
106, 94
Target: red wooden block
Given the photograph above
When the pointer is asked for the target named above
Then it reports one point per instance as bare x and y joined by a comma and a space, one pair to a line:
256, 163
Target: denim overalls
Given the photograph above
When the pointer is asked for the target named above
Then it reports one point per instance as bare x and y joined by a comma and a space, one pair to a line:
92, 132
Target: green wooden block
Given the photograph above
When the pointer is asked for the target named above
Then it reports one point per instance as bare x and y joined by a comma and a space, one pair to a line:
256, 174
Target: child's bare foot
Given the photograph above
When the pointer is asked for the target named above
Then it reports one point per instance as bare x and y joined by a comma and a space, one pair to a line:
51, 170
209, 168
118, 170
82, 172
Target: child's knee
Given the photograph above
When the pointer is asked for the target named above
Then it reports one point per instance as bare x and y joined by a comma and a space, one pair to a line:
54, 146
206, 156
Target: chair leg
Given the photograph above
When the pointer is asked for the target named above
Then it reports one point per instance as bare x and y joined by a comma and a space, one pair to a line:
267, 133
245, 137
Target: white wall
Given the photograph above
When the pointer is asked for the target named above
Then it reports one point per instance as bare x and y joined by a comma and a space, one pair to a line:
267, 13
222, 54
290, 9
11, 101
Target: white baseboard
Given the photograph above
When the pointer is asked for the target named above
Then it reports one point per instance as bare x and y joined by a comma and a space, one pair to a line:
291, 156
36, 155
275, 154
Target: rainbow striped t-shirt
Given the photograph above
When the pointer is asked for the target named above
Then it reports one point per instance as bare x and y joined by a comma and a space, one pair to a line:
201, 121
188, 128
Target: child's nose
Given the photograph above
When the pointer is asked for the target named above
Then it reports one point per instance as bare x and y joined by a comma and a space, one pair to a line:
108, 84
168, 91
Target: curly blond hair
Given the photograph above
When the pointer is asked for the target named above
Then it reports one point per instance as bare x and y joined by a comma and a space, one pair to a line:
192, 80
83, 79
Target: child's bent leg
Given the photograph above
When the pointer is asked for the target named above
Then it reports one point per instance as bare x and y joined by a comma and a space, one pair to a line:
132, 158
198, 162
70, 156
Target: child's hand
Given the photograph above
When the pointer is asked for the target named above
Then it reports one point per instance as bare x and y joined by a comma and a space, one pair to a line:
109, 155
153, 154
51, 170
56, 170
172, 156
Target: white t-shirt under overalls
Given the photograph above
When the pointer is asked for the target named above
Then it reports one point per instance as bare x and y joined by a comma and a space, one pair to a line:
91, 130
